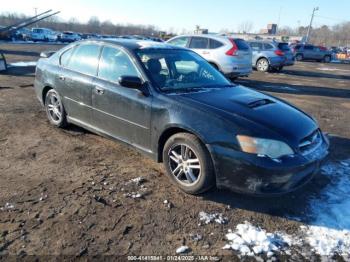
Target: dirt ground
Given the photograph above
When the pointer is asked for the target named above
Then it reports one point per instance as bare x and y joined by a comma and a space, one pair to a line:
71, 190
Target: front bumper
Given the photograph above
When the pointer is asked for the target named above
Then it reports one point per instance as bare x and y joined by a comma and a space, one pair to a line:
250, 174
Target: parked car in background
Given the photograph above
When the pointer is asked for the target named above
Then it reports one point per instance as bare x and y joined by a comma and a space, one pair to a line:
171, 104
270, 55
69, 37
231, 56
311, 52
43, 34
23, 34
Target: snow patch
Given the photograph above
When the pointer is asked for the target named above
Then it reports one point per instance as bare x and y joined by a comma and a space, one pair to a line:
182, 249
209, 218
330, 233
249, 240
332, 69
8, 206
23, 64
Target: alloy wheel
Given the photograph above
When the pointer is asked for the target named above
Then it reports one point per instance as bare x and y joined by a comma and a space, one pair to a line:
54, 107
263, 65
184, 164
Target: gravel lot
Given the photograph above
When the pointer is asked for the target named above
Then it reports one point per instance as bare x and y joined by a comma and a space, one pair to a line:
70, 192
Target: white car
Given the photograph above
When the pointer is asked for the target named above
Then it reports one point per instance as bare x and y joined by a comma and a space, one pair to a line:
43, 34
231, 56
69, 37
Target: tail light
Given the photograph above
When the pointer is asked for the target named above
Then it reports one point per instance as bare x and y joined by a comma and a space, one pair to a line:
279, 52
233, 50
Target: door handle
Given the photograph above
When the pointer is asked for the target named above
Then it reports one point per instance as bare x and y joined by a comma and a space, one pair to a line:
62, 78
99, 90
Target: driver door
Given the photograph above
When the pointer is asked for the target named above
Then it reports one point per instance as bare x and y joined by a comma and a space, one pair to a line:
121, 112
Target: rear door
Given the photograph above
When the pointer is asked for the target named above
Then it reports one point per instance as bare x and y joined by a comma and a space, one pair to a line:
121, 112
256, 50
75, 80
309, 52
201, 46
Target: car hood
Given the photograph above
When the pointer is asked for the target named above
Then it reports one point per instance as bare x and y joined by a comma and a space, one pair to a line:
269, 112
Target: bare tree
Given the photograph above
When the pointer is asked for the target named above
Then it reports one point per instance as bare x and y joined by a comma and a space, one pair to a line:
245, 27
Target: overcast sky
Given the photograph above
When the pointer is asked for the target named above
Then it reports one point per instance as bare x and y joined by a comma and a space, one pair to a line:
185, 14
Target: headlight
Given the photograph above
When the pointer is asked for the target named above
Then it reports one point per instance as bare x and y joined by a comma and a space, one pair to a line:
262, 146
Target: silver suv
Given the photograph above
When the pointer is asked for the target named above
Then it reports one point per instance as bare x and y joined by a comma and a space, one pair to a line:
271, 55
231, 56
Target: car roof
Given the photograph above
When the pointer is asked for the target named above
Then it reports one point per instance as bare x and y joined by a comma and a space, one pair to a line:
212, 36
134, 44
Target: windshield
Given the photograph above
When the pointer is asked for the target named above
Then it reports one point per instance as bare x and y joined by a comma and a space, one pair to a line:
174, 70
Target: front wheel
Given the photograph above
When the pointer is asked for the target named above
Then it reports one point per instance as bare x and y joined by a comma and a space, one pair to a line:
54, 109
188, 163
263, 65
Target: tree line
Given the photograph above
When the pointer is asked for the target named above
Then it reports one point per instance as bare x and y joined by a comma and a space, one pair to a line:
338, 35
93, 26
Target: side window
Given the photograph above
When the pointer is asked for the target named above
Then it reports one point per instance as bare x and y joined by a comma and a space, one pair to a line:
255, 46
181, 41
268, 46
308, 47
199, 43
85, 59
64, 59
213, 44
115, 63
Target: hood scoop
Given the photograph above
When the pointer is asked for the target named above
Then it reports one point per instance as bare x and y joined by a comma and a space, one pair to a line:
260, 103
252, 101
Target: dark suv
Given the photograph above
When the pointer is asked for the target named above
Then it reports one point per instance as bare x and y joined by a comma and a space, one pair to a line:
311, 52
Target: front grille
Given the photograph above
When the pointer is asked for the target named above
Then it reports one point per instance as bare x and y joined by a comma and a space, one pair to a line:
310, 143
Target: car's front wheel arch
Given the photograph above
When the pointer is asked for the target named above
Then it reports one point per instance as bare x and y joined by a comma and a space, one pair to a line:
170, 131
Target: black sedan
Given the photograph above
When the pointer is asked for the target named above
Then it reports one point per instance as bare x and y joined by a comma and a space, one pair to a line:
171, 104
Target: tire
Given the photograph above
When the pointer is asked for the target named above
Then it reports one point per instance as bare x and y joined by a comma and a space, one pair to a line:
263, 65
299, 57
178, 150
54, 109
327, 59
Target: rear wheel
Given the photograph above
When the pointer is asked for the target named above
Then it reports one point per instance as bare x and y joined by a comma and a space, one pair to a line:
188, 163
263, 65
299, 57
54, 109
327, 59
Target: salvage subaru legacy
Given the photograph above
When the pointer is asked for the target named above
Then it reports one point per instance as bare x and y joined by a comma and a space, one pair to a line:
171, 104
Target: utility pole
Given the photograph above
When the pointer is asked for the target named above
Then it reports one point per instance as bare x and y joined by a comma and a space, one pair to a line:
309, 29
36, 13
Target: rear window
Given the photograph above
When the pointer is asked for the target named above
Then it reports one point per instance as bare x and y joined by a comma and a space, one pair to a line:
241, 44
283, 46
268, 46
213, 44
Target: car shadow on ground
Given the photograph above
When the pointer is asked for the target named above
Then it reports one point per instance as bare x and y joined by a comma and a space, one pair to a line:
315, 74
294, 89
293, 206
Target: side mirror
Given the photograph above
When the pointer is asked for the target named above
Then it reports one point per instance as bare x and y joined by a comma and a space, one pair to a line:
130, 82
46, 54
